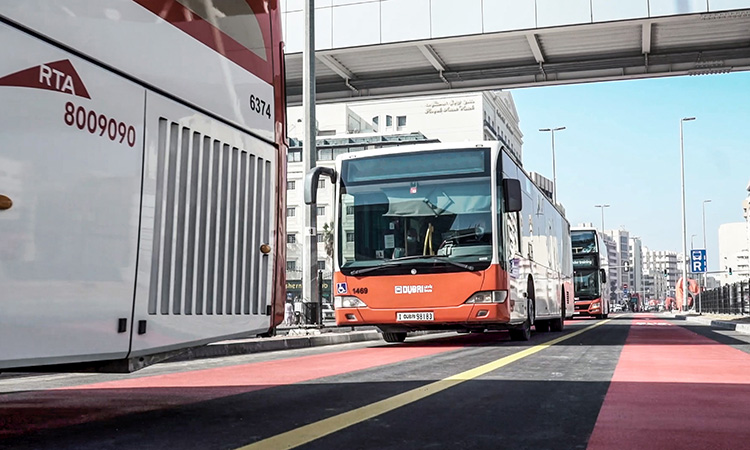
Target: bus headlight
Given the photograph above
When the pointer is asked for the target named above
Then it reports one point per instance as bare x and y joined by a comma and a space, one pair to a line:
348, 302
488, 297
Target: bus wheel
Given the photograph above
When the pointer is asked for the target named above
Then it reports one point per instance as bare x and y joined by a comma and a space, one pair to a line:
558, 324
523, 331
394, 337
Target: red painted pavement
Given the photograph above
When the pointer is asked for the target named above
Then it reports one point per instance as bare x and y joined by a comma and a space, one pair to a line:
29, 411
675, 389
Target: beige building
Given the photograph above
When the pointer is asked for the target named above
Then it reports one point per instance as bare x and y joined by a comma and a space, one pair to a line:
733, 252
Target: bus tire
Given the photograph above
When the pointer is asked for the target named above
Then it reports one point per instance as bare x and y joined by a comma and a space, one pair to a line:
394, 337
559, 323
523, 331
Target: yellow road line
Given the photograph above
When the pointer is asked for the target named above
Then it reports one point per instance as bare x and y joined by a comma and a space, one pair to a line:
317, 430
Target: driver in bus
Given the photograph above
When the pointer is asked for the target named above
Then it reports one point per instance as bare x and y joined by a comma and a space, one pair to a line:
412, 242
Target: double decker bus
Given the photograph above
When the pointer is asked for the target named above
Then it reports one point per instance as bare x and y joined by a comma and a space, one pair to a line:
590, 265
446, 237
142, 174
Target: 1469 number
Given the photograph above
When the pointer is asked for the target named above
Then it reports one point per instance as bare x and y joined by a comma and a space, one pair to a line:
362, 290
260, 106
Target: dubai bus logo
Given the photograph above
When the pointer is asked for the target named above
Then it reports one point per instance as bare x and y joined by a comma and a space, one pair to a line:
58, 76
413, 289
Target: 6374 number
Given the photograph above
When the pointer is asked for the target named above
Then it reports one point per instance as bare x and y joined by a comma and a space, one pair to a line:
260, 106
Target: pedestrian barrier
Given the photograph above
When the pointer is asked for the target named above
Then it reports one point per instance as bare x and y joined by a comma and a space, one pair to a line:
728, 299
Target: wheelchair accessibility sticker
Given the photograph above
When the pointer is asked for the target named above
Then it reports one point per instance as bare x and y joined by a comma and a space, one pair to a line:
341, 288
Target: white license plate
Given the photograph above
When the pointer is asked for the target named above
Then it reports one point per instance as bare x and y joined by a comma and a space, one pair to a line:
415, 316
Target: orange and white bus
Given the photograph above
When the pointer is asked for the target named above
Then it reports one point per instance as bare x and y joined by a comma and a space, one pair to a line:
142, 174
446, 237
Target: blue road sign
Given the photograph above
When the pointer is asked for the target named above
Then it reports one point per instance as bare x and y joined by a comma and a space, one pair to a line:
698, 261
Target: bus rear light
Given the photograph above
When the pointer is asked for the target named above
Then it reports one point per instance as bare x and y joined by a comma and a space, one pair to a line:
347, 301
488, 297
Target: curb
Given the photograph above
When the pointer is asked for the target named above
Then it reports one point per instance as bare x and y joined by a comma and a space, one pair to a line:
743, 328
243, 347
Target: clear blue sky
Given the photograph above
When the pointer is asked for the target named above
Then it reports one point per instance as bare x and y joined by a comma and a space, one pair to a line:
622, 148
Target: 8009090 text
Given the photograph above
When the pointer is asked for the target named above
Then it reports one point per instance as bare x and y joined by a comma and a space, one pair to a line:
95, 123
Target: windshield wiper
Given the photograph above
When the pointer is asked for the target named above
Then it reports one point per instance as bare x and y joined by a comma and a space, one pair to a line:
397, 262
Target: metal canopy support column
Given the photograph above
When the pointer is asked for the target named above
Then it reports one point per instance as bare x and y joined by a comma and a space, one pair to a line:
646, 42
339, 69
434, 59
310, 252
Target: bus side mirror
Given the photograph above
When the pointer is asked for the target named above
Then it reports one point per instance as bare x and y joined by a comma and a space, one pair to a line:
512, 195
311, 182
604, 275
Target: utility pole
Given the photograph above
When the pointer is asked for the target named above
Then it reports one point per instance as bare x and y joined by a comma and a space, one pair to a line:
310, 250
684, 221
602, 207
554, 169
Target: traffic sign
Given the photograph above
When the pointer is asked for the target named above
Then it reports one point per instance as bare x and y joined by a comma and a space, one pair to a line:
698, 261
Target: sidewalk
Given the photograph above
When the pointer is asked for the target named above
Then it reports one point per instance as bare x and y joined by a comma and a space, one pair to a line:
287, 338
740, 324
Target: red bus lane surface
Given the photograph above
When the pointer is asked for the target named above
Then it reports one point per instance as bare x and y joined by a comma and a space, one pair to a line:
675, 389
36, 410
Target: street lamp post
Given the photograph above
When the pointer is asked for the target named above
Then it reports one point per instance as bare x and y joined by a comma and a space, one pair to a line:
704, 222
692, 236
684, 221
703, 278
554, 170
602, 207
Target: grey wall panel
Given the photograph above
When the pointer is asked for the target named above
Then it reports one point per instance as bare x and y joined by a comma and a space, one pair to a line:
405, 20
294, 35
357, 24
447, 20
323, 28
295, 5
672, 7
722, 5
552, 13
504, 15
607, 10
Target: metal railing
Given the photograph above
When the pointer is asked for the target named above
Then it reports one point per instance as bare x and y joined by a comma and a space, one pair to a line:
727, 299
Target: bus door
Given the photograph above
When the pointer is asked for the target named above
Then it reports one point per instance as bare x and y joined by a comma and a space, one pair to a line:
70, 169
208, 212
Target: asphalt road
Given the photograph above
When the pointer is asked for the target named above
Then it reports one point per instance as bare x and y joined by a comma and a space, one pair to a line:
634, 381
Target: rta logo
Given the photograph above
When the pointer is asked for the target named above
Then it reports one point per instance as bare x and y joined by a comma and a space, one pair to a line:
58, 76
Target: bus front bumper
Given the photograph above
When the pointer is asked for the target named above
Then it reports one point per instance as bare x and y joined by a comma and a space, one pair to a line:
466, 316
588, 307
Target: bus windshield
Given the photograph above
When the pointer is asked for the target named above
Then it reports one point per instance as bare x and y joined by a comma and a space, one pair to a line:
583, 242
586, 284
426, 218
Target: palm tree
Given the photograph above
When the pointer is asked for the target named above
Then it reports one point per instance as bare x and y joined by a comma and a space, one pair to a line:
328, 238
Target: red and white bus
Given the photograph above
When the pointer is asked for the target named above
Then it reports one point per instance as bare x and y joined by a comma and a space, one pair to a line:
446, 236
142, 174
590, 264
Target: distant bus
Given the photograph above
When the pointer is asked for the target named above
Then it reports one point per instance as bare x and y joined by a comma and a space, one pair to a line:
142, 171
446, 237
590, 264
